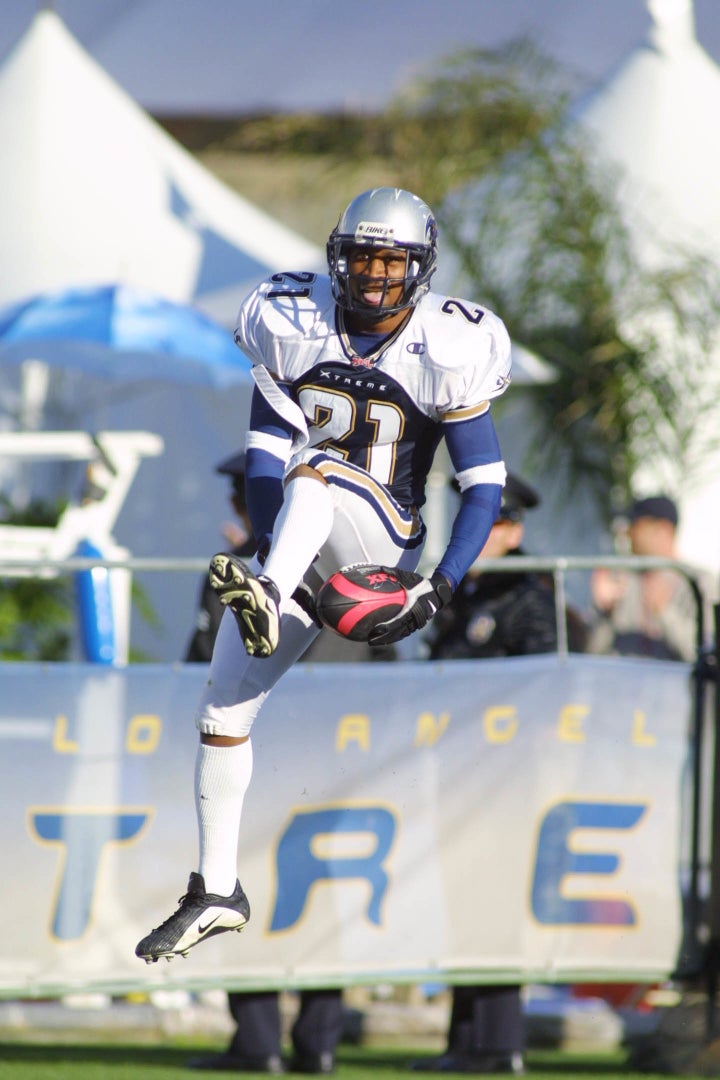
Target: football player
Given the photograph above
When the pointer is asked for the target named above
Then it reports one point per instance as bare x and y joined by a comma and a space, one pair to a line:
359, 374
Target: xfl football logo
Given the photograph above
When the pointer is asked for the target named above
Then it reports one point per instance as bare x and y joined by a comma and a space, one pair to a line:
375, 581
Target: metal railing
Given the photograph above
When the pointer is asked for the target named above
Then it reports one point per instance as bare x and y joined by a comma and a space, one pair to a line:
557, 566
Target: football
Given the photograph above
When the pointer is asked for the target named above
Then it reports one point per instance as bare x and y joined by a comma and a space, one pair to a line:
356, 599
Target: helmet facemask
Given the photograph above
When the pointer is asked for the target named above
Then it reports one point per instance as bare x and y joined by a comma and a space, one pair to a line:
384, 218
419, 267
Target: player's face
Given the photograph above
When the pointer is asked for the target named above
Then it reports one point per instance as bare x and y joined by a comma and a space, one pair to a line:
373, 273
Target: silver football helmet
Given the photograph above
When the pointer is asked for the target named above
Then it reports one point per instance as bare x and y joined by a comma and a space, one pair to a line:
384, 217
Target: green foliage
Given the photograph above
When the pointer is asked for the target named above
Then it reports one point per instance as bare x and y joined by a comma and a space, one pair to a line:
333, 135
537, 234
35, 615
142, 604
469, 115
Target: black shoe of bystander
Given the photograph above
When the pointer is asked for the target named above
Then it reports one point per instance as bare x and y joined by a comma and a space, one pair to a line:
231, 1063
317, 1064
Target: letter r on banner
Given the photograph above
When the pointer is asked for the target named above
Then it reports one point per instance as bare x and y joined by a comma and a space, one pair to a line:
299, 868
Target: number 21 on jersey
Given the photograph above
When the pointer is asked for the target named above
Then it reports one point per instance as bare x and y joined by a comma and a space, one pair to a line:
339, 419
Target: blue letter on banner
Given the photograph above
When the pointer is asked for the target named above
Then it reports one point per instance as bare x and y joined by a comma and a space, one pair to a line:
298, 869
555, 861
83, 835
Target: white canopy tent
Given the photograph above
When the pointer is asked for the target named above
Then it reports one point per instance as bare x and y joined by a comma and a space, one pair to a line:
96, 192
655, 121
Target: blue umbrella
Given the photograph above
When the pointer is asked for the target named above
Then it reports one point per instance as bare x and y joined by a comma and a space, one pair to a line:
124, 334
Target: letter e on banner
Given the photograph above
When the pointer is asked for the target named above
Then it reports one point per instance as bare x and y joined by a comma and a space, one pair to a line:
558, 858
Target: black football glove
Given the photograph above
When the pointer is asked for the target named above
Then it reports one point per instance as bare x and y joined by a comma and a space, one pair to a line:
425, 596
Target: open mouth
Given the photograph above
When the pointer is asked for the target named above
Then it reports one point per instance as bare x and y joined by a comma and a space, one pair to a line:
373, 297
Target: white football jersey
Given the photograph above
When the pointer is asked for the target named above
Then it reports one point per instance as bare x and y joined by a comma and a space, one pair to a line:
383, 412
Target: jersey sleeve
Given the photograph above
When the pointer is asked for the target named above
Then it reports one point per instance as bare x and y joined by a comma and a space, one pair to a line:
485, 369
475, 454
251, 331
277, 314
268, 445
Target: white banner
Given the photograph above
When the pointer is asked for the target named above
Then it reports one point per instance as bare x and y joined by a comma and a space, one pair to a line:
514, 820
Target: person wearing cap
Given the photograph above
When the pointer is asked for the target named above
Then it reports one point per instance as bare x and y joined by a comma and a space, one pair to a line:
648, 614
493, 614
239, 535
499, 613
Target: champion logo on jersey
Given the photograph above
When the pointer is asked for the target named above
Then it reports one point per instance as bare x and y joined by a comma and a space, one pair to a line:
416, 347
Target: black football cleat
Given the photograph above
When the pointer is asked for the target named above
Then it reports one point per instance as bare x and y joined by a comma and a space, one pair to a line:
254, 601
201, 915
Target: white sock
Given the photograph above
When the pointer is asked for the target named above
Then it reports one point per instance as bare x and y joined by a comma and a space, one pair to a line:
222, 776
301, 528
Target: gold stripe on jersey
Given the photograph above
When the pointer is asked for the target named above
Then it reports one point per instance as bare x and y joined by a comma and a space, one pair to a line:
406, 524
454, 416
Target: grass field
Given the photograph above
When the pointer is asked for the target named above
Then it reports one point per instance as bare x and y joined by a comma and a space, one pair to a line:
115, 1061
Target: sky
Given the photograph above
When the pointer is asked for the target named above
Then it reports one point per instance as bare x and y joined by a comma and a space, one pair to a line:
235, 57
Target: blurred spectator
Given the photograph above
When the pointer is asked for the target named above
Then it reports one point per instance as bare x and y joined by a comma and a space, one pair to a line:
257, 1041
652, 613
239, 536
497, 613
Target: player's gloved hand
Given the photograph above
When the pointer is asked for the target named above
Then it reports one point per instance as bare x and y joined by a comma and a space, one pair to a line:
425, 596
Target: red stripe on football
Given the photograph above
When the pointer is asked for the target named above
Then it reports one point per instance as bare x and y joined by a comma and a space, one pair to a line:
353, 601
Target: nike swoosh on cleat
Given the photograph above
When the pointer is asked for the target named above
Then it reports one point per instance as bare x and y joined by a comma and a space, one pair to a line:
203, 929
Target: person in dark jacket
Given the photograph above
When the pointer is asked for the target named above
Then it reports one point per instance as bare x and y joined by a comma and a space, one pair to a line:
239, 535
493, 614
499, 613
